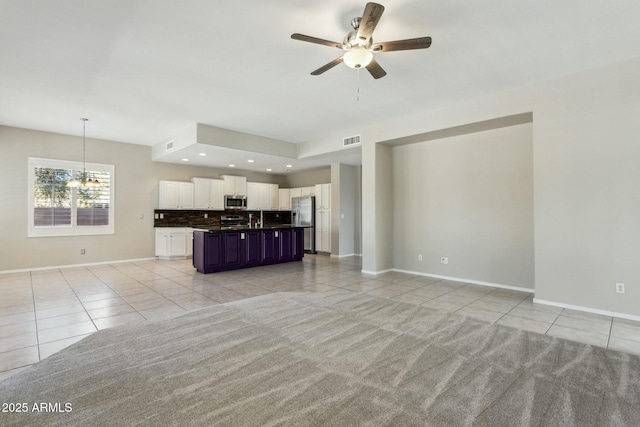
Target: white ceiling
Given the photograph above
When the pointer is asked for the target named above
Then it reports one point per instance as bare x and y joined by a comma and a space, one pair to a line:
142, 70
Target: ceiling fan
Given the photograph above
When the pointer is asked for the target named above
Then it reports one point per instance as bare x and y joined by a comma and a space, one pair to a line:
359, 46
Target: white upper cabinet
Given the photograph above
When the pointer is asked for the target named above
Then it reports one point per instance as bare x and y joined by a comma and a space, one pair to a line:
295, 192
208, 193
323, 196
176, 195
262, 196
217, 194
235, 185
284, 199
308, 191
253, 196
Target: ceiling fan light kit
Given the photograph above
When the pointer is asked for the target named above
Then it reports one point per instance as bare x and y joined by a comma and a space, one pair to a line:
358, 44
357, 57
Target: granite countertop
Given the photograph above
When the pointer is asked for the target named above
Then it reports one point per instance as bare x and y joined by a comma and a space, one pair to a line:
209, 227
215, 228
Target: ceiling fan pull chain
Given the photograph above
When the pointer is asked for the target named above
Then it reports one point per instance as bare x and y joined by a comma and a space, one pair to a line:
358, 85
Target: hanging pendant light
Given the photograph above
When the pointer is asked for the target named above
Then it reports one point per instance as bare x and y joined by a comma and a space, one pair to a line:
82, 181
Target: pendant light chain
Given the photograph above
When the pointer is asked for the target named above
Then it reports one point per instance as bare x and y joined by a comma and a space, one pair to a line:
84, 150
82, 181
86, 183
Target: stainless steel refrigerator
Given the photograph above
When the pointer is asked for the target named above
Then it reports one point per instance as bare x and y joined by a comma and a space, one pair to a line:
303, 214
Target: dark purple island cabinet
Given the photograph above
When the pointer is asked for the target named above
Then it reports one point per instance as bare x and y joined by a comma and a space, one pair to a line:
229, 249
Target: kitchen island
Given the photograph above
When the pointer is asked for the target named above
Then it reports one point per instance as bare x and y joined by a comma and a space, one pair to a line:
228, 248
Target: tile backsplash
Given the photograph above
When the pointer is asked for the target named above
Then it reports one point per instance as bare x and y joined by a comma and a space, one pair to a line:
192, 218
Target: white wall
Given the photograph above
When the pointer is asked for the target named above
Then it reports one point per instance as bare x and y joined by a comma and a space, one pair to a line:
468, 198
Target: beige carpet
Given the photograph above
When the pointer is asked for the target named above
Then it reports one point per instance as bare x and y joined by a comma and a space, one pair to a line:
327, 359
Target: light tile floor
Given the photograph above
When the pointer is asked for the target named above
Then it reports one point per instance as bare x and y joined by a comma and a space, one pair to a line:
44, 311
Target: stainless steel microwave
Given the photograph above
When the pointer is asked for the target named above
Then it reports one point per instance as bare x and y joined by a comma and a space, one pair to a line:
235, 202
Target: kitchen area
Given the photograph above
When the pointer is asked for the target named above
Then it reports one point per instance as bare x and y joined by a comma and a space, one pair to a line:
229, 223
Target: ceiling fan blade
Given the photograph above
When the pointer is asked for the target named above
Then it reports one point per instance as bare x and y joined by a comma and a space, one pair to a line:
370, 18
326, 67
375, 69
419, 43
316, 40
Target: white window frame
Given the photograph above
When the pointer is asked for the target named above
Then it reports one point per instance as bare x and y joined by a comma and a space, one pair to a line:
73, 229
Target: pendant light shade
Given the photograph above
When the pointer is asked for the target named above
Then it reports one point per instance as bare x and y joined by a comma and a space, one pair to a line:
81, 181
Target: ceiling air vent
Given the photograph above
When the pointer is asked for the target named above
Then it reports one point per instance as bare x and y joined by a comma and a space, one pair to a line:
169, 145
352, 140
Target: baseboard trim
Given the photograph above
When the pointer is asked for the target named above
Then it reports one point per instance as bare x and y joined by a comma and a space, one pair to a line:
474, 282
345, 256
587, 309
375, 273
24, 270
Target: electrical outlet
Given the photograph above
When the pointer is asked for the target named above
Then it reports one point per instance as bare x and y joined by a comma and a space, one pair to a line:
206, 215
141, 216
82, 251
161, 216
444, 260
620, 288
419, 257
156, 216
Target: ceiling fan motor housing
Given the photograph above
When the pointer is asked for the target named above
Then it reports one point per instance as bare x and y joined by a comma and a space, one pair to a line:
351, 39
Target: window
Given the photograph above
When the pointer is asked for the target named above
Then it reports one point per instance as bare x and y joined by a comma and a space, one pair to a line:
58, 210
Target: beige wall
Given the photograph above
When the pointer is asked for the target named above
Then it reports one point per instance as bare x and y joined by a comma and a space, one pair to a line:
468, 198
136, 186
585, 177
345, 196
309, 177
357, 227
377, 211
587, 202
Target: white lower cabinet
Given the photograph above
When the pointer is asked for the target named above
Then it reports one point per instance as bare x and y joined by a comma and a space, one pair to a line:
174, 242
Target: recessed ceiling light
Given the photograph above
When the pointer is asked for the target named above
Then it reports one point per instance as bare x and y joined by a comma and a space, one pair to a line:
250, 161
269, 170
232, 166
289, 166
185, 160
203, 154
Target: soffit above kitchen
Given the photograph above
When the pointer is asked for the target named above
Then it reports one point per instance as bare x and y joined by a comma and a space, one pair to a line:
203, 145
